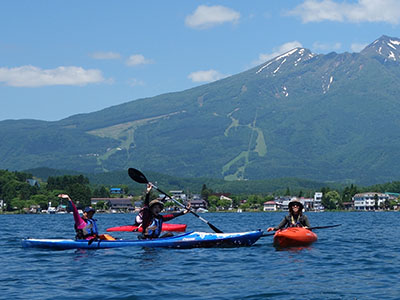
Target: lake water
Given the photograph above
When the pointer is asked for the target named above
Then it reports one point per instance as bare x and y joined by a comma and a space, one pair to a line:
358, 260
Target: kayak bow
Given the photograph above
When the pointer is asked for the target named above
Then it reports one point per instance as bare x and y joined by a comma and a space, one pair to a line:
294, 237
184, 241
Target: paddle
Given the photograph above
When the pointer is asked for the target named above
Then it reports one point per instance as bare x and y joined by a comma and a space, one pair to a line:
310, 228
139, 177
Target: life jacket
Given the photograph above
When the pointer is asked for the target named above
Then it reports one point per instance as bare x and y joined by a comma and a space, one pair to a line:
154, 232
90, 230
295, 223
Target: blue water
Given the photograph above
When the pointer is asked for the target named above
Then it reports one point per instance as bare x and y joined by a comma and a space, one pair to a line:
358, 260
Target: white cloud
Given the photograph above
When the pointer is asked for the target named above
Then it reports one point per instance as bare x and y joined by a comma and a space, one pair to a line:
105, 55
206, 76
318, 46
30, 76
356, 47
209, 16
138, 59
387, 11
263, 57
136, 82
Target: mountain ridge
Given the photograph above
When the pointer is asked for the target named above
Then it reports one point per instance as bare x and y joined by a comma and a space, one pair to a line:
297, 115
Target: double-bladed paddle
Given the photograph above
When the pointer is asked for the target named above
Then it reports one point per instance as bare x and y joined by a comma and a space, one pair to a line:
139, 177
310, 228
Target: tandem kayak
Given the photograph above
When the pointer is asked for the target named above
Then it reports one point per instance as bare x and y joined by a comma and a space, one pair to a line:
294, 237
188, 240
165, 227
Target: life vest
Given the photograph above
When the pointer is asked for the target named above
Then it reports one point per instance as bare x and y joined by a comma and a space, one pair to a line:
295, 223
154, 232
89, 230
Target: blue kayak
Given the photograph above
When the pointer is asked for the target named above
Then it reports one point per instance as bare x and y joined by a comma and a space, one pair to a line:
184, 241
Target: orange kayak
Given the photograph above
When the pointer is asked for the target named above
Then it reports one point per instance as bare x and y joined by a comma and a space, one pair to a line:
165, 227
294, 237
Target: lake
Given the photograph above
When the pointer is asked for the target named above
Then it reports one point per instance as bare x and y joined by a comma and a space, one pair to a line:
358, 260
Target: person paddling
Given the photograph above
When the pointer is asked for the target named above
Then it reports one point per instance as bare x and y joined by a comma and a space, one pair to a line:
295, 218
85, 226
150, 219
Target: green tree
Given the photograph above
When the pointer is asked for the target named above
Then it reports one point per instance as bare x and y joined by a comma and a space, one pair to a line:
376, 201
101, 192
80, 194
331, 199
205, 192
42, 200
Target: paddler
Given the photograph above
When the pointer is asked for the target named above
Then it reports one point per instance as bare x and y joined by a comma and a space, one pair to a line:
150, 219
295, 218
85, 226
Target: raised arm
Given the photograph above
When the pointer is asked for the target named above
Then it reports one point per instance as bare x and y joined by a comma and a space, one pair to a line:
79, 222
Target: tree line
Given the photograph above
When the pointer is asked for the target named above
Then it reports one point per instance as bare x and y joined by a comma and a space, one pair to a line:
17, 193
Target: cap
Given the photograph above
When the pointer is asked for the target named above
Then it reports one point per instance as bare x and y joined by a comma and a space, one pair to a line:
89, 209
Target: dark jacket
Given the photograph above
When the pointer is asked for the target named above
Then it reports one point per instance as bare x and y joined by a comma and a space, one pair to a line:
289, 221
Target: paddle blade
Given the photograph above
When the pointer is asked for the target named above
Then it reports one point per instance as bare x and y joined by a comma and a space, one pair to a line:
137, 176
214, 228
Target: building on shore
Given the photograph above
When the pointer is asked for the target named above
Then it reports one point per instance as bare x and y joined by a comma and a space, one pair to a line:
369, 200
115, 204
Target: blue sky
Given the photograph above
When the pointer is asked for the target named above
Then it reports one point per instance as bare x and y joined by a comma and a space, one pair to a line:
60, 58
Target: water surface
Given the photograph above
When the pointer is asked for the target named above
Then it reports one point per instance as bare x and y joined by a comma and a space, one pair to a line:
358, 260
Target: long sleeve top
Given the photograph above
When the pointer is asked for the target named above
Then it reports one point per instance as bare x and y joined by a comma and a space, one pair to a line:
289, 221
85, 228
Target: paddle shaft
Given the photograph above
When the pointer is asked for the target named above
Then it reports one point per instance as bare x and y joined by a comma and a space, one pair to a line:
310, 228
139, 177
192, 212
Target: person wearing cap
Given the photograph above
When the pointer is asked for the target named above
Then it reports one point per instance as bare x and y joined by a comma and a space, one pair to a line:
150, 219
85, 226
295, 218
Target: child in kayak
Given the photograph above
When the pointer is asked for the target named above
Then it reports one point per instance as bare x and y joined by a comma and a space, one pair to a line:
85, 226
295, 218
150, 219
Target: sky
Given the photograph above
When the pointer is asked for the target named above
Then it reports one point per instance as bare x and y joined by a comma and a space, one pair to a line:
61, 58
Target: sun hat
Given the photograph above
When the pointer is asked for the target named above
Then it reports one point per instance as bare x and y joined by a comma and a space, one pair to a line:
154, 202
296, 202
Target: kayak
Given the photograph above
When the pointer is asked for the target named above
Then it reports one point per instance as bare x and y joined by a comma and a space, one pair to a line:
165, 227
188, 240
294, 237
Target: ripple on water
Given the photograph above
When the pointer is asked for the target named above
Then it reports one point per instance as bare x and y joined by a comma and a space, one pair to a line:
358, 260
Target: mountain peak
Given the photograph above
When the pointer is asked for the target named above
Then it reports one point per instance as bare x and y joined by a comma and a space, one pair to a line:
386, 47
292, 57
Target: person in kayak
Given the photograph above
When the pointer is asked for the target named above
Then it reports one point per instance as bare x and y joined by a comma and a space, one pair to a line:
295, 218
149, 217
85, 226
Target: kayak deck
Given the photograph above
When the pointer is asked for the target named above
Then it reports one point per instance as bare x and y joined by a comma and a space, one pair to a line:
294, 237
185, 241
165, 227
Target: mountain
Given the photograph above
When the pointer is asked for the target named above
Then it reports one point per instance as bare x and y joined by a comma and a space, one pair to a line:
326, 117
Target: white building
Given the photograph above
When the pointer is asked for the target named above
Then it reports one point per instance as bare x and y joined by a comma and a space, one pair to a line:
366, 201
270, 206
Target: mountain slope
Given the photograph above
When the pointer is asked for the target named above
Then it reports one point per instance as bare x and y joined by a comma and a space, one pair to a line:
322, 117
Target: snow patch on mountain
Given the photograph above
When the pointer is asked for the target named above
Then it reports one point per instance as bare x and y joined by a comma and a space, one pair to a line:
326, 84
299, 54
